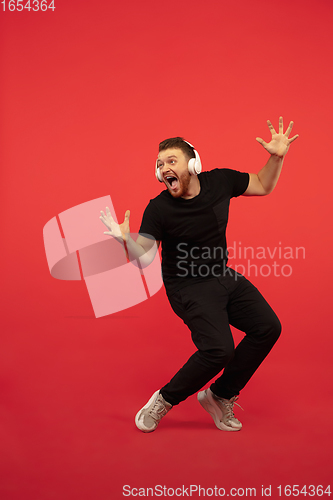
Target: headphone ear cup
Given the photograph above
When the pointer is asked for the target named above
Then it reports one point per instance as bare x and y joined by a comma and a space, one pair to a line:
191, 166
158, 173
194, 165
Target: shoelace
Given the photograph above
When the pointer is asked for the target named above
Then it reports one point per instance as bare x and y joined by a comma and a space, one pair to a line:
158, 410
229, 405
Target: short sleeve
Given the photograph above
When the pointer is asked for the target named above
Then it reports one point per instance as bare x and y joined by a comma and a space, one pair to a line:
238, 181
151, 225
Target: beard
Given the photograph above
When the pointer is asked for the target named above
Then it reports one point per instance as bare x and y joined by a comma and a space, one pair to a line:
183, 184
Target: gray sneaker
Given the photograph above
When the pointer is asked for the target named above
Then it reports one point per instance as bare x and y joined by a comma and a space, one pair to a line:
148, 418
222, 410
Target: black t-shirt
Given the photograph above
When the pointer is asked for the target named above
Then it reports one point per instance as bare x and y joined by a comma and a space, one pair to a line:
192, 232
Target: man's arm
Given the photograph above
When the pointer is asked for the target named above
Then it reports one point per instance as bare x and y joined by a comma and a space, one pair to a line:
143, 249
265, 181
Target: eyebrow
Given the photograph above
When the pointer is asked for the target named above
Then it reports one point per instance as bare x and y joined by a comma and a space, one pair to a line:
171, 156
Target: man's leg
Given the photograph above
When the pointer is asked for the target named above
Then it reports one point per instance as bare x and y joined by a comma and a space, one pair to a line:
249, 312
207, 308
203, 308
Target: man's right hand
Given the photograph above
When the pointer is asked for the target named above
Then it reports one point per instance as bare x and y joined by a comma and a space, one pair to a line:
119, 231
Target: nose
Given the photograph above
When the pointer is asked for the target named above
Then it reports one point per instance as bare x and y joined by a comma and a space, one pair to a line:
163, 168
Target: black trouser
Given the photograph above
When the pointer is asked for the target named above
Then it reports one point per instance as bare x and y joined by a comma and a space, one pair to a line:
208, 308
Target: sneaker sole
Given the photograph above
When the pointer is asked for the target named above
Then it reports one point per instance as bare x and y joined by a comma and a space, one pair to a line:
207, 403
139, 424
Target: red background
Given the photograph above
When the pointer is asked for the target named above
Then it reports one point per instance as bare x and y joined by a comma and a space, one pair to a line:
87, 92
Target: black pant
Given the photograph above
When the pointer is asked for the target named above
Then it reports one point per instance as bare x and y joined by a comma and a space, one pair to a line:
208, 308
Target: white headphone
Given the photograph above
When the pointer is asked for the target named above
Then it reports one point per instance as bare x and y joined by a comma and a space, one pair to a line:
194, 165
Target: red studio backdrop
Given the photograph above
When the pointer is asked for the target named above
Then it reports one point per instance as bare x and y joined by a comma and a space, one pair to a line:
88, 89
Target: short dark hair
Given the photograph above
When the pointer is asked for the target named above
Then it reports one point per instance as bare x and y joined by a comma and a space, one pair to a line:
177, 142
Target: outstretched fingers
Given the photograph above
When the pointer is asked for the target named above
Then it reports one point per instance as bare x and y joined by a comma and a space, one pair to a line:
107, 218
271, 128
261, 141
293, 138
104, 220
280, 142
287, 134
108, 213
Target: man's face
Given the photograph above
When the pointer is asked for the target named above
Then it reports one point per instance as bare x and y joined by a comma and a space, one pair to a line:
173, 166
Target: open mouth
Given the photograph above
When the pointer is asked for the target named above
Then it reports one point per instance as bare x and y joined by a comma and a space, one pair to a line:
172, 181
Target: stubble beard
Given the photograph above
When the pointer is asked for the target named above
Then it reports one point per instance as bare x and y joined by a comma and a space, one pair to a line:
184, 182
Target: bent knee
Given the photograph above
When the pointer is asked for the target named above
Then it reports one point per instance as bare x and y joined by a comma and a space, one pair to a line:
267, 332
219, 357
276, 328
272, 329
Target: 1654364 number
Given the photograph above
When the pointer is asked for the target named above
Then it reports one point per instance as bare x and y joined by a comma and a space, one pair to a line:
27, 5
297, 490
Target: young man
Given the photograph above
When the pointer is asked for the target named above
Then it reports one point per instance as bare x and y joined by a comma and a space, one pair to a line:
190, 219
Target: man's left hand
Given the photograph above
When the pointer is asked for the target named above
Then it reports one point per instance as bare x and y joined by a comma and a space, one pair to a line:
280, 142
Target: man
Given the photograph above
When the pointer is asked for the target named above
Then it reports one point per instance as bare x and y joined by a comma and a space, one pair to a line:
190, 219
